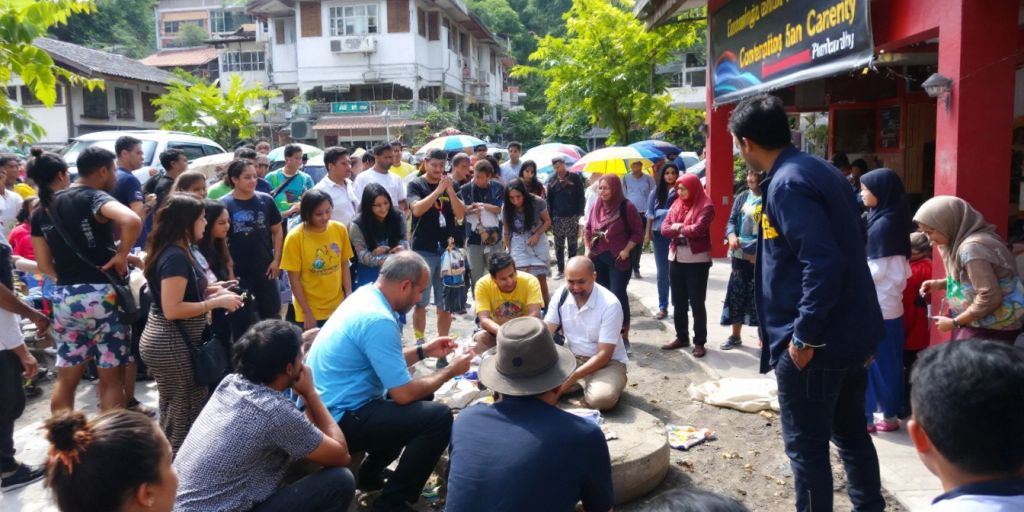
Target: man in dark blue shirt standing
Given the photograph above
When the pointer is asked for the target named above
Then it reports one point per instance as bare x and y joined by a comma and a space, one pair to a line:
820, 320
523, 452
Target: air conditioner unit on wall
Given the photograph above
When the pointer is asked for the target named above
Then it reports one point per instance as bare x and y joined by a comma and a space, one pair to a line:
302, 130
357, 44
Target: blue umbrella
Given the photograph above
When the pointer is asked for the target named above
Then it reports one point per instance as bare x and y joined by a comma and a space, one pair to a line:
659, 146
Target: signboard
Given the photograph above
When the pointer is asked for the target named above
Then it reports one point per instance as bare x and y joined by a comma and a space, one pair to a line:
889, 127
350, 107
761, 45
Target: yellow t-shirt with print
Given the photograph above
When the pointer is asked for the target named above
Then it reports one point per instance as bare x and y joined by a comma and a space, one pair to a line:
320, 260
403, 169
506, 306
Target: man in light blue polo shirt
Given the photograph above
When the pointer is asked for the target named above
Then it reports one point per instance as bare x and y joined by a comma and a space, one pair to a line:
358, 356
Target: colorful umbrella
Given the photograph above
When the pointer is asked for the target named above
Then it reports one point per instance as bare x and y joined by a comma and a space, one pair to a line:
451, 143
572, 150
665, 148
542, 157
277, 155
648, 151
611, 160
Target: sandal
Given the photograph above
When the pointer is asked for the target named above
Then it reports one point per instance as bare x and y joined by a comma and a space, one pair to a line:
887, 425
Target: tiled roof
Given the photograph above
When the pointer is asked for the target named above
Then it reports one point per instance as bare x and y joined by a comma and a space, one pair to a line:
95, 62
181, 58
363, 123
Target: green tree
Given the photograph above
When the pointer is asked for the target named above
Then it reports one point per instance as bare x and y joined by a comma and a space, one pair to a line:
192, 35
205, 110
119, 26
21, 22
523, 126
603, 68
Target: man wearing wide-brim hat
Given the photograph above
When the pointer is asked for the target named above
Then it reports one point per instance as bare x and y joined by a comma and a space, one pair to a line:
523, 452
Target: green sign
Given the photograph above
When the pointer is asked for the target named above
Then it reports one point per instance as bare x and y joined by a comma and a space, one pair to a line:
350, 107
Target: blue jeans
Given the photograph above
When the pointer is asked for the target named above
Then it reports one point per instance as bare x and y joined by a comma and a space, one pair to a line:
661, 261
822, 402
435, 284
327, 490
885, 375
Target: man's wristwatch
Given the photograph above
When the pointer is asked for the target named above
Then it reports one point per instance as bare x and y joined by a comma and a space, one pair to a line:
419, 353
956, 323
800, 345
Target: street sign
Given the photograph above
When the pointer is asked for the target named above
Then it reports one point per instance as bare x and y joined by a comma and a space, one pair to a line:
350, 107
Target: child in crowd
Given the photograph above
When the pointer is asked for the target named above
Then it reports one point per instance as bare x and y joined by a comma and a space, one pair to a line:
967, 424
915, 310
453, 276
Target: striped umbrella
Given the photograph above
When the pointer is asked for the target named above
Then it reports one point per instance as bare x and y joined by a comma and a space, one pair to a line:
611, 160
542, 157
572, 150
450, 143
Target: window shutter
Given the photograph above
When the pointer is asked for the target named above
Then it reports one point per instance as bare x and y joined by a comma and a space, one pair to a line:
433, 26
398, 16
310, 22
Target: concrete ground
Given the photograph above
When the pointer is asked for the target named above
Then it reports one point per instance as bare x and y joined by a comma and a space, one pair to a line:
658, 383
903, 474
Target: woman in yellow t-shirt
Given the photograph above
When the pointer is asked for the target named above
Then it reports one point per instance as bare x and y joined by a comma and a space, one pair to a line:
316, 256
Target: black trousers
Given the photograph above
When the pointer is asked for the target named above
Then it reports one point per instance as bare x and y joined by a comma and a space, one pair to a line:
689, 289
639, 249
265, 302
383, 428
12, 404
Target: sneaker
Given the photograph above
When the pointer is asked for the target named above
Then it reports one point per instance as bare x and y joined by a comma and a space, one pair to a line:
731, 343
636, 274
20, 477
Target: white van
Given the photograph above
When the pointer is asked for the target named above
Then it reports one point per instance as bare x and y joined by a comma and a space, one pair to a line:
154, 142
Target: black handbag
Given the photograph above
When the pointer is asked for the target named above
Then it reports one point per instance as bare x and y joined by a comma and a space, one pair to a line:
128, 310
209, 358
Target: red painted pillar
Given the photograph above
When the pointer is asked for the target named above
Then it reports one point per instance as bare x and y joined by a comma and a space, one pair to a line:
977, 48
718, 173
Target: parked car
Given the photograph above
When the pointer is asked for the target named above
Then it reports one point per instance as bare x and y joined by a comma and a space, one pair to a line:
154, 142
689, 159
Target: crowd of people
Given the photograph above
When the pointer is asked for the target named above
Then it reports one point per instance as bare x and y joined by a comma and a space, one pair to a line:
264, 405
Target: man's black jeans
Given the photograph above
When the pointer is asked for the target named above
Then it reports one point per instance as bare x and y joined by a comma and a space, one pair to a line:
382, 428
327, 490
822, 402
12, 404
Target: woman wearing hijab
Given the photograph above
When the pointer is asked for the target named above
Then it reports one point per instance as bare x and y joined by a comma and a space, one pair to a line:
613, 229
688, 226
983, 290
888, 251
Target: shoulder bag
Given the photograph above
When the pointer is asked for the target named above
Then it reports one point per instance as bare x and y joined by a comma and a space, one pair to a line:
128, 310
559, 335
209, 359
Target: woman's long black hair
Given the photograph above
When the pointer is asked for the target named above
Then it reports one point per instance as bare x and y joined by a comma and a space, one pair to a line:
215, 250
534, 185
367, 221
172, 227
44, 168
528, 214
662, 190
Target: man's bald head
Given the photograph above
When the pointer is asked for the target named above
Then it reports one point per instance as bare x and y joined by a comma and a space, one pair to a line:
580, 275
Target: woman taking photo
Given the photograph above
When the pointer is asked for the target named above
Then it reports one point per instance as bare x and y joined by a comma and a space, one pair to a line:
255, 239
316, 257
179, 290
688, 226
526, 222
658, 203
215, 258
528, 173
888, 252
377, 232
984, 294
741, 234
118, 461
613, 229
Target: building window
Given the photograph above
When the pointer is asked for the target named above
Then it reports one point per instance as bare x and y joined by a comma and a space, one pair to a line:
227, 21
421, 22
433, 26
148, 108
124, 101
353, 20
94, 104
29, 99
173, 27
12, 93
243, 61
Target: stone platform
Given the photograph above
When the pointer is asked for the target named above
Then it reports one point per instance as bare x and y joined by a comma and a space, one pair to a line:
640, 455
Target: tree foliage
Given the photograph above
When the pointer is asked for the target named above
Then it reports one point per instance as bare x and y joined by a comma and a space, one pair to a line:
193, 106
602, 70
193, 35
21, 22
118, 26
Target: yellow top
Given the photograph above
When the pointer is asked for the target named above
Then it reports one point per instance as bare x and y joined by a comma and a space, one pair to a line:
403, 169
25, 190
319, 259
506, 306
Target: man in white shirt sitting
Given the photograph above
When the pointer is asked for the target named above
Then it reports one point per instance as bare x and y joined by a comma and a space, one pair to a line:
590, 318
338, 185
